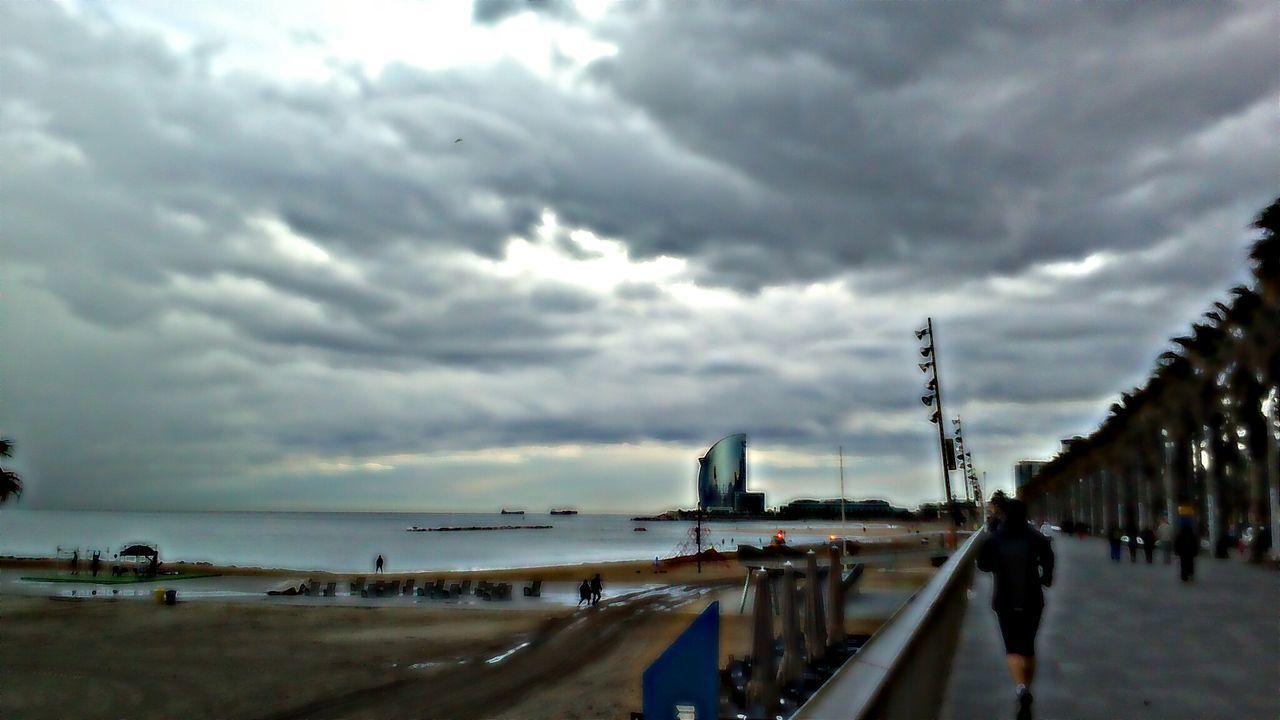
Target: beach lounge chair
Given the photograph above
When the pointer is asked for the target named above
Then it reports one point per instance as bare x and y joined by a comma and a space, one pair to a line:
313, 587
330, 590
408, 587
438, 590
357, 586
482, 588
534, 590
393, 589
464, 589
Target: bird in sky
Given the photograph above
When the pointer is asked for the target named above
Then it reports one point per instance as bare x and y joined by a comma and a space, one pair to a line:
455, 142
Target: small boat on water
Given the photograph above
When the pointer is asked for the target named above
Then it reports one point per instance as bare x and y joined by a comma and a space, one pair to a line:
565, 511
639, 529
512, 512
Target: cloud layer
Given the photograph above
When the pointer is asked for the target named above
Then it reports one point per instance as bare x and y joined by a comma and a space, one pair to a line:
258, 268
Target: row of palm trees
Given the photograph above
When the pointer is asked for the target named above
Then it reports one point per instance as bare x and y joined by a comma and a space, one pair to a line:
1198, 437
10, 483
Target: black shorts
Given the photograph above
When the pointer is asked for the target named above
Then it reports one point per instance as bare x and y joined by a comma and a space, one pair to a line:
1018, 628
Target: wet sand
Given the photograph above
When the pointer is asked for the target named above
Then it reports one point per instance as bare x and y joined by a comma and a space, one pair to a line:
130, 658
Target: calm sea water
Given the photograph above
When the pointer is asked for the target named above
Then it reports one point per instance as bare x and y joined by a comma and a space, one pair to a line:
349, 542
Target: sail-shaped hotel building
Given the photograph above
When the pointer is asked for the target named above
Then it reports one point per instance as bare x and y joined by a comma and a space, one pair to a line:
722, 479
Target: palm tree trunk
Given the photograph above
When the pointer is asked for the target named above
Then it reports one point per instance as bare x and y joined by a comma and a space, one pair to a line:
1273, 472
1170, 491
1105, 500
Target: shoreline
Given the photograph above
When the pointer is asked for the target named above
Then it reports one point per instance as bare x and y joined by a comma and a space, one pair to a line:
610, 570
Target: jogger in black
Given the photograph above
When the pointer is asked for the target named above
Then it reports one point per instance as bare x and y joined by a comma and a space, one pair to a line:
1022, 562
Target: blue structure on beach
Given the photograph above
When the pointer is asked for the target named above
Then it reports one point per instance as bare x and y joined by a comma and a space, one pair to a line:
722, 478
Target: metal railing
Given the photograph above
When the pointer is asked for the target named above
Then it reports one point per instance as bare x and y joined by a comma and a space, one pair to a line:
902, 670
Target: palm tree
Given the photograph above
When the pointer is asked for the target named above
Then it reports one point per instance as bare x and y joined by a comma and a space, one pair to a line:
10, 483
1265, 253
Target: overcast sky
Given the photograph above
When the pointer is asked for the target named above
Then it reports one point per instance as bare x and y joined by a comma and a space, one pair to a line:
246, 264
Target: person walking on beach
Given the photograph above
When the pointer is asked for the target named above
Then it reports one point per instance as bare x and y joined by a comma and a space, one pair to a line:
584, 593
1186, 545
75, 562
95, 564
1021, 560
597, 588
379, 564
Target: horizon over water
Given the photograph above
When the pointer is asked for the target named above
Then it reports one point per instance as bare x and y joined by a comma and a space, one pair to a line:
349, 541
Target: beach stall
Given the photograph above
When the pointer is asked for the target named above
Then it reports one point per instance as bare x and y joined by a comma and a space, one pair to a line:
139, 559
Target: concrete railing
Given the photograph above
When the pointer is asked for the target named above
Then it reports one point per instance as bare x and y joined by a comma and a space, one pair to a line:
902, 670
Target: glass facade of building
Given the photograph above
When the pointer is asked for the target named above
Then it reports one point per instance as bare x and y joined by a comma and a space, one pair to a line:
722, 473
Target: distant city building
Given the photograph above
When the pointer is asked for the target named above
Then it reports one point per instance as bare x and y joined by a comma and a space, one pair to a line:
853, 510
940, 510
722, 477
1025, 470
748, 503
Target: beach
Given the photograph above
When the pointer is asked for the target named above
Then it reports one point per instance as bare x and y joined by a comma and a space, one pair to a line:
247, 655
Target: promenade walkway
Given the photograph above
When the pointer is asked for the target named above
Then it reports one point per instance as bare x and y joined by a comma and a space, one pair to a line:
1131, 641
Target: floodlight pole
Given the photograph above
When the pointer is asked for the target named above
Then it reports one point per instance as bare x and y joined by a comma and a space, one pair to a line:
942, 439
843, 528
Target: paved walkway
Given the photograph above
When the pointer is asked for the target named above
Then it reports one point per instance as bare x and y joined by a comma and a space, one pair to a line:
1132, 641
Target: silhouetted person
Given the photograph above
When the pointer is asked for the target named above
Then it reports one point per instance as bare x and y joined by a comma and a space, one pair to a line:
1133, 543
1021, 560
95, 564
1164, 536
75, 562
597, 588
1148, 542
153, 566
1261, 544
1186, 545
379, 564
1113, 541
584, 593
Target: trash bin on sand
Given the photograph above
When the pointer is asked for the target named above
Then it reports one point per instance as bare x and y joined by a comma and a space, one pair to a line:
170, 597
157, 594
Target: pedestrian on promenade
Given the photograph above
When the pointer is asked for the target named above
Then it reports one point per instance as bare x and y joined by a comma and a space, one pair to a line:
1021, 560
1164, 536
1148, 537
1113, 540
1261, 544
1186, 544
95, 564
75, 562
1133, 543
995, 510
379, 565
584, 593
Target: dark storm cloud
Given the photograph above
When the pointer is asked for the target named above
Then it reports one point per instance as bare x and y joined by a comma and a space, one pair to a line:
213, 273
489, 12
952, 136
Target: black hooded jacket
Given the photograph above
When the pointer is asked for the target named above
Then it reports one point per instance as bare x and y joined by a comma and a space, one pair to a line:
1022, 562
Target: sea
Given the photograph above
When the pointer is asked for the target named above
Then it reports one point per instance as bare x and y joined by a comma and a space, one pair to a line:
349, 542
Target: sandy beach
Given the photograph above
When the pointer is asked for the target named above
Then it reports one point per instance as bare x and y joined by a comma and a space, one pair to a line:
260, 657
